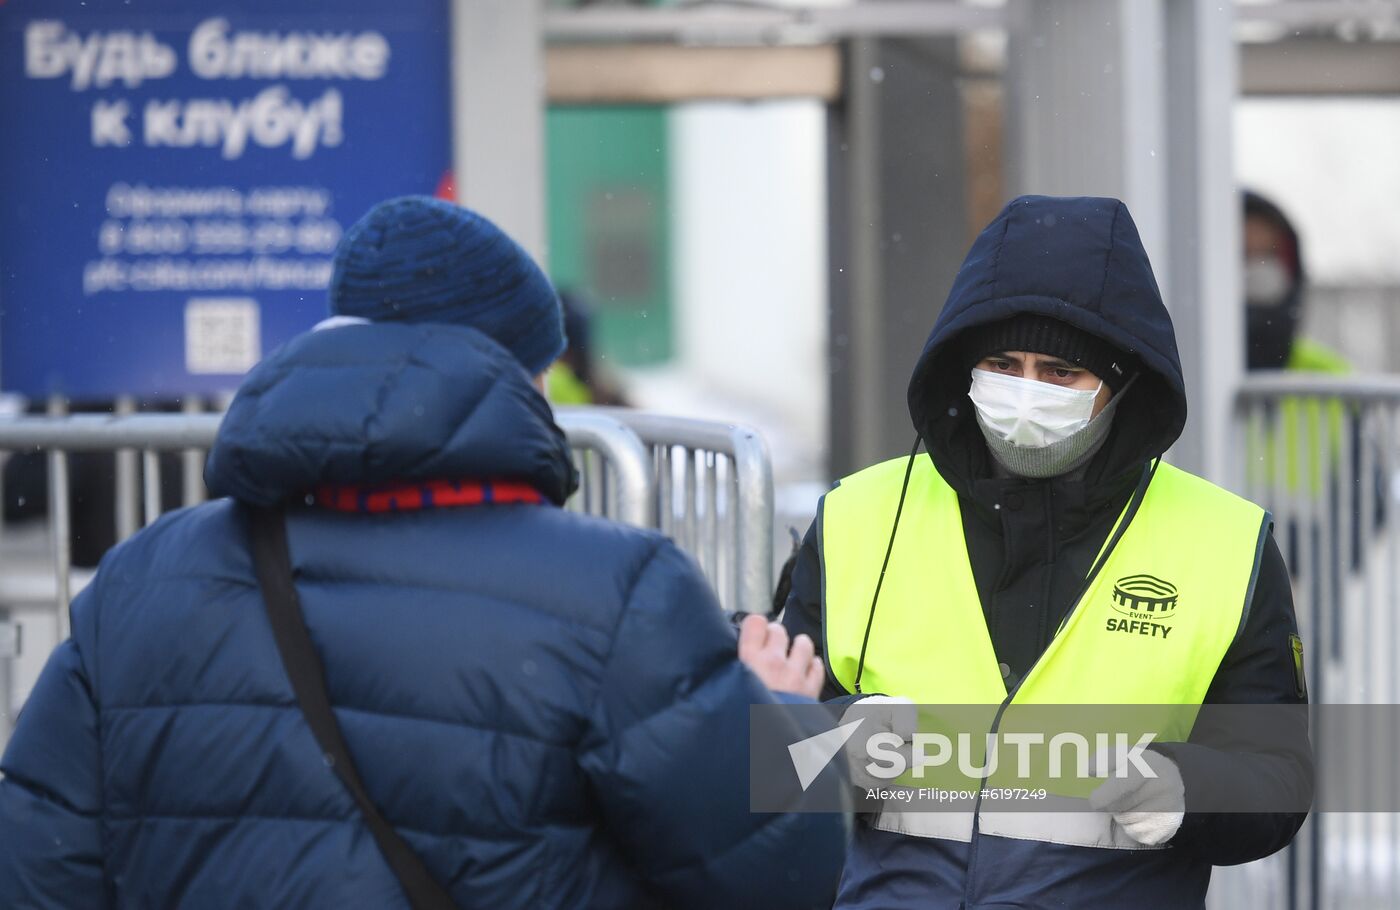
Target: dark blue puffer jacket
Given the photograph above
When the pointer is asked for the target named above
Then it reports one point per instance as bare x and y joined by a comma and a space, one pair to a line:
546, 705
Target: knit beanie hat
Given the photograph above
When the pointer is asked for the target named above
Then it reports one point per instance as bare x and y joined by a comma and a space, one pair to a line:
419, 259
1045, 335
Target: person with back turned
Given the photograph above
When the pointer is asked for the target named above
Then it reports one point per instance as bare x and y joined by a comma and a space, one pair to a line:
386, 669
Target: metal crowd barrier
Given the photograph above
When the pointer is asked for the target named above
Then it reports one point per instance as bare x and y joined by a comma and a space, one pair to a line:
614, 477
1323, 455
616, 474
714, 497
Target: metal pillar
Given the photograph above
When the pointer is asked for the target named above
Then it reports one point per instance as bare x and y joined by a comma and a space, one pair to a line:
60, 529
1204, 227
897, 192
1095, 88
498, 79
1085, 106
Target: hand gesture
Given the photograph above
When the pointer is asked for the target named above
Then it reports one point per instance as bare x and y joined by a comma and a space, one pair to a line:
763, 647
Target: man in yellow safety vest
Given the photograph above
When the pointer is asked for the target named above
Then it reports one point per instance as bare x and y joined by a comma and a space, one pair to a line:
1042, 553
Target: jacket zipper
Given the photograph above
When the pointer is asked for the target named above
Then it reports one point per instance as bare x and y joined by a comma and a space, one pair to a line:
1128, 515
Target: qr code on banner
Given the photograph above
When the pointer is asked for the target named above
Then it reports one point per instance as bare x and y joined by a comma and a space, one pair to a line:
222, 334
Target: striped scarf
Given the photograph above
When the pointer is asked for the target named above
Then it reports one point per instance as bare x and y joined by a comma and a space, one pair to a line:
427, 494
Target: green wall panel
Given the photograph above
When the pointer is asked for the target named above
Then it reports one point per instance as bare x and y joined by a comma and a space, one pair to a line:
609, 231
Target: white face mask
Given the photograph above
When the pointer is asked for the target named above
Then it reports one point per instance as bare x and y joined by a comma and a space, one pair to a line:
1027, 412
1266, 281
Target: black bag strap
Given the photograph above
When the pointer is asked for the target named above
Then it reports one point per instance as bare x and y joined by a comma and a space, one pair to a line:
272, 562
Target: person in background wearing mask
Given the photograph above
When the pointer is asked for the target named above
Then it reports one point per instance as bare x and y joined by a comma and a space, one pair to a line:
1046, 395
1275, 290
546, 709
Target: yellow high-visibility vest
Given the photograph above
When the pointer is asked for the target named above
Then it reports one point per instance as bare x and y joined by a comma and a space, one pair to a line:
564, 385
1310, 430
1151, 627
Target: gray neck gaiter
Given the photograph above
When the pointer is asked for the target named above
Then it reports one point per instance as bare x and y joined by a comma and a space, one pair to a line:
1063, 457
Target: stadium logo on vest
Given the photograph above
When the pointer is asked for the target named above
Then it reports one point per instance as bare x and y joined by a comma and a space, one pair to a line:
1150, 603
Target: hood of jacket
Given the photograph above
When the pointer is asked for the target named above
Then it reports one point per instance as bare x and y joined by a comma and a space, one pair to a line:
1079, 260
384, 403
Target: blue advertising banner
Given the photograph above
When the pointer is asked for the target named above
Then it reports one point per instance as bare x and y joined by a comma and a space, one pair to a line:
175, 174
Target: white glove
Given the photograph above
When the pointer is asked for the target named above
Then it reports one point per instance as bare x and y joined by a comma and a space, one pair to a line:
881, 714
1148, 809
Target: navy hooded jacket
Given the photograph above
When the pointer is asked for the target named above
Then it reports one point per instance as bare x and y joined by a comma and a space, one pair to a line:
1031, 543
547, 706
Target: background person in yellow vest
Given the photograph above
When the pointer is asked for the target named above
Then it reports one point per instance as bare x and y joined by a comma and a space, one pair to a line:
1275, 289
1298, 450
1045, 395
